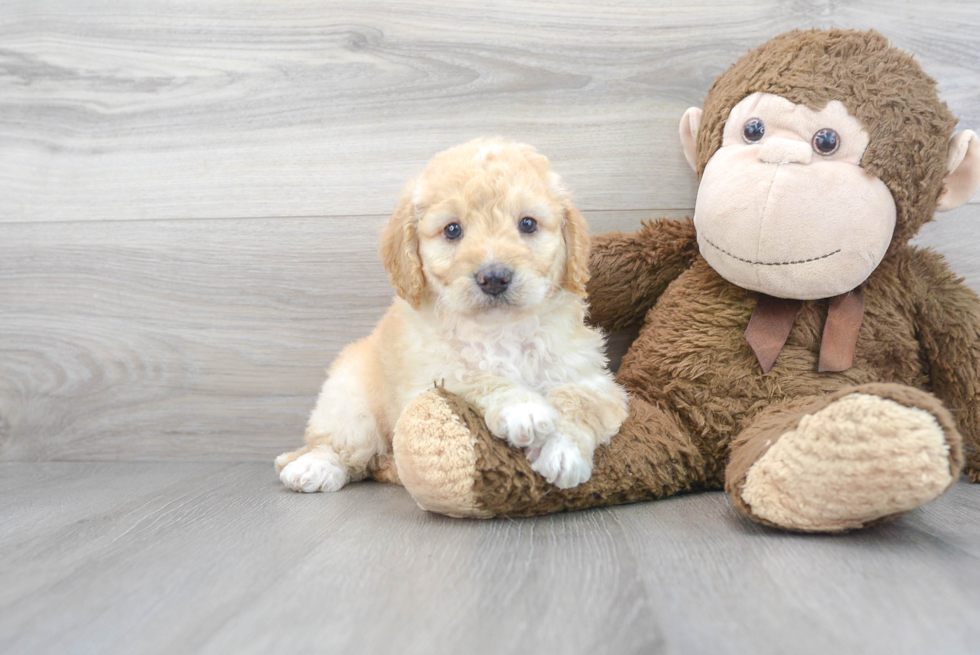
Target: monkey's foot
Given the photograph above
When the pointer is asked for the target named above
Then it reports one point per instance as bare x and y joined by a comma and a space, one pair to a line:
860, 459
435, 446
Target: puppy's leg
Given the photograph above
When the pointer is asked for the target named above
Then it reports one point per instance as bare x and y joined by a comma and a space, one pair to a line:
590, 413
343, 433
521, 417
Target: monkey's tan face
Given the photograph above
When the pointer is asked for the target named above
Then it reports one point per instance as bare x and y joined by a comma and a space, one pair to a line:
784, 206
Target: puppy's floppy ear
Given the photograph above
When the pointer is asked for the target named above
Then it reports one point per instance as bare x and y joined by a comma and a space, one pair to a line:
575, 232
400, 252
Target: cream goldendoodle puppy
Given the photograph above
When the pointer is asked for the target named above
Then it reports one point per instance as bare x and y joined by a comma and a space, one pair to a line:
490, 259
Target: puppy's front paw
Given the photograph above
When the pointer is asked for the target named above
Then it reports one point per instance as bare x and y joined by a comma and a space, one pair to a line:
309, 474
524, 424
560, 462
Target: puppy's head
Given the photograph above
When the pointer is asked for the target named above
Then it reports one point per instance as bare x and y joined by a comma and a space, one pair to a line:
487, 229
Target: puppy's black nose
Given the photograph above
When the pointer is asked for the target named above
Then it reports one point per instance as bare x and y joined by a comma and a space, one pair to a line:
493, 280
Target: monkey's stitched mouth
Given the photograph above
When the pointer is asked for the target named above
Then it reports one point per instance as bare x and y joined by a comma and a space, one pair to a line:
749, 261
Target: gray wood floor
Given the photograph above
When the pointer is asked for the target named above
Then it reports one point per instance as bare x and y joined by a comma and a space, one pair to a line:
131, 558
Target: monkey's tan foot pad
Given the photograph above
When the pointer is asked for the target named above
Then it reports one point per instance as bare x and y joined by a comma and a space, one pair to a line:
451, 464
435, 456
857, 460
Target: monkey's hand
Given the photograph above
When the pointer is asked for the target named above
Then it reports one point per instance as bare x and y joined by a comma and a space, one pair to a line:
630, 271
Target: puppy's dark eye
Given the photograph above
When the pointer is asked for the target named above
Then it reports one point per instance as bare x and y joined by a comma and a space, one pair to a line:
826, 141
528, 225
753, 130
453, 231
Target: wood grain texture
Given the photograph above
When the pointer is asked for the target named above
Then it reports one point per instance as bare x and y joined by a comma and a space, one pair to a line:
141, 558
213, 109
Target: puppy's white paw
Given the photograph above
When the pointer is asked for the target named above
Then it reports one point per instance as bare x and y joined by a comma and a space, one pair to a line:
525, 424
561, 463
309, 474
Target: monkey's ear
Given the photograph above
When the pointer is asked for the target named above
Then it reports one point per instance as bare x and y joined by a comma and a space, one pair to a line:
963, 171
400, 252
690, 124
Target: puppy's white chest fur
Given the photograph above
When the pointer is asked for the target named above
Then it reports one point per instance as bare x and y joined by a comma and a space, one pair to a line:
539, 352
518, 352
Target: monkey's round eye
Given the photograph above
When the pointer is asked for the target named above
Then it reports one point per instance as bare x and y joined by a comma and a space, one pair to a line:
826, 141
754, 130
453, 231
528, 225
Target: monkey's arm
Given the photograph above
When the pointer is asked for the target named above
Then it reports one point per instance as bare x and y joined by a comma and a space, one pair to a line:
630, 271
948, 317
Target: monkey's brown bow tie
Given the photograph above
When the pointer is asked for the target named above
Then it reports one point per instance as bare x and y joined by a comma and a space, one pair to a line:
773, 319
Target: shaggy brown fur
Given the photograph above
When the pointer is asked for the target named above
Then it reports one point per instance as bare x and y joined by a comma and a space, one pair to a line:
702, 411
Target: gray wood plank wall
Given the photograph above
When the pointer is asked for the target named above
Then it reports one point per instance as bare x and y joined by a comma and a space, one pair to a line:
190, 192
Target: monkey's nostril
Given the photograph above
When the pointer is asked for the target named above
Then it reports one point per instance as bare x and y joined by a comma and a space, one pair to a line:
494, 280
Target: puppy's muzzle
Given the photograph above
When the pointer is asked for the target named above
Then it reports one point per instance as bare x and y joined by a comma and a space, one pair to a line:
494, 280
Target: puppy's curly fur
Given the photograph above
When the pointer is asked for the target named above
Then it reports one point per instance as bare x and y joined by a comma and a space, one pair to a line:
489, 257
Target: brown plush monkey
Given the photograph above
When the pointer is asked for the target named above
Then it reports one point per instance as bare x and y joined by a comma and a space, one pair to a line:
795, 350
